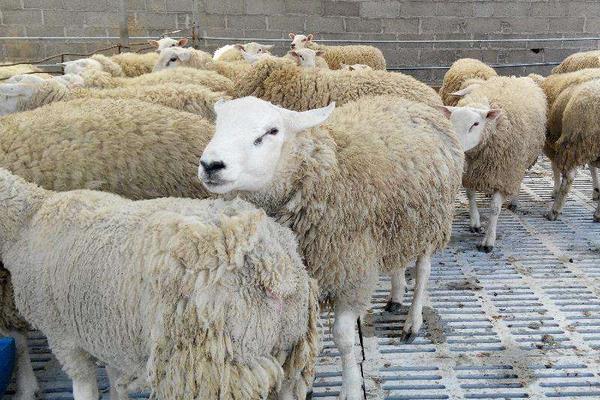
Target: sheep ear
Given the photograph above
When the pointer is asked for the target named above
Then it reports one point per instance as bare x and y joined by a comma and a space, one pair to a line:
447, 111
493, 114
182, 42
153, 43
16, 89
184, 55
240, 47
309, 37
300, 121
292, 35
351, 68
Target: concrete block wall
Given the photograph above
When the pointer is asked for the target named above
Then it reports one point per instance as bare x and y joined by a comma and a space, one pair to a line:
329, 19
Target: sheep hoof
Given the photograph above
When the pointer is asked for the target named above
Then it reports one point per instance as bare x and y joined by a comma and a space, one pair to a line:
485, 248
476, 229
408, 337
392, 307
596, 194
552, 215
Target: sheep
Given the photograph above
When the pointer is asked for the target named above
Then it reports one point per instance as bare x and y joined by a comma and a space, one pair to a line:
128, 147
177, 56
281, 82
308, 58
134, 64
180, 75
578, 61
461, 71
355, 67
371, 189
554, 84
167, 42
577, 139
204, 299
11, 94
233, 52
191, 98
70, 80
25, 78
501, 123
338, 55
96, 62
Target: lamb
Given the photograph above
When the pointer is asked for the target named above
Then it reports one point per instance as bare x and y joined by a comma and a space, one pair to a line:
501, 123
283, 83
96, 62
307, 58
128, 147
578, 61
134, 64
180, 75
204, 299
577, 139
371, 189
355, 67
166, 42
177, 56
338, 55
191, 98
233, 52
461, 71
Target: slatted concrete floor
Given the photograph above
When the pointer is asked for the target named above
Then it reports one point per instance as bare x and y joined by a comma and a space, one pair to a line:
521, 322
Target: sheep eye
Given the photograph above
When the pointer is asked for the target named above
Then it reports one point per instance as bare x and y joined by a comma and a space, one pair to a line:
476, 124
258, 141
273, 131
260, 50
173, 59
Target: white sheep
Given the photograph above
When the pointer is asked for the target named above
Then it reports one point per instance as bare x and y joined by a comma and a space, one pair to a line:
97, 62
176, 56
338, 55
501, 123
308, 58
166, 42
13, 93
233, 52
369, 190
202, 299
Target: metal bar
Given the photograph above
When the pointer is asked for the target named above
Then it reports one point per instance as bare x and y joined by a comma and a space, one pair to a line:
507, 40
123, 25
17, 38
429, 67
196, 24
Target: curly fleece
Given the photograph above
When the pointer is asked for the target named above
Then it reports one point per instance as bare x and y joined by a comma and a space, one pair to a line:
201, 297
282, 82
578, 61
512, 143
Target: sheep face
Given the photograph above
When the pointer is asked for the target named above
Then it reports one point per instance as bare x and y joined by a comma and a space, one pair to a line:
11, 94
469, 123
305, 58
255, 48
77, 67
247, 148
172, 57
300, 41
167, 42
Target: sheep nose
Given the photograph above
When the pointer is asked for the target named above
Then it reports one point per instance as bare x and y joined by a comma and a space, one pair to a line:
212, 167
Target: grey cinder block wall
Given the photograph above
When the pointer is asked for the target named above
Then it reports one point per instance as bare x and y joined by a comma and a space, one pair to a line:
329, 19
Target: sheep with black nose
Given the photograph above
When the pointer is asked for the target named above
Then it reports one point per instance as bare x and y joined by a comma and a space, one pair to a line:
368, 187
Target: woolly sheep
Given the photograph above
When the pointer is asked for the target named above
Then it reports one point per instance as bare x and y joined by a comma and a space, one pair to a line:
371, 189
338, 55
578, 61
191, 98
97, 62
181, 75
282, 82
501, 123
577, 139
135, 149
355, 67
177, 57
554, 84
308, 58
461, 71
167, 42
233, 52
204, 299
134, 64
12, 93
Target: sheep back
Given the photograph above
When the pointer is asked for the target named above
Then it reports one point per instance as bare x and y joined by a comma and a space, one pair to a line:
578, 61
135, 64
353, 54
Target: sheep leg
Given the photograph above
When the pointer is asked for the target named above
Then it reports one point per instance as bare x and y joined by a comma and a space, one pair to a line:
397, 293
595, 183
343, 336
561, 198
118, 391
556, 177
490, 235
81, 369
27, 384
475, 222
414, 319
